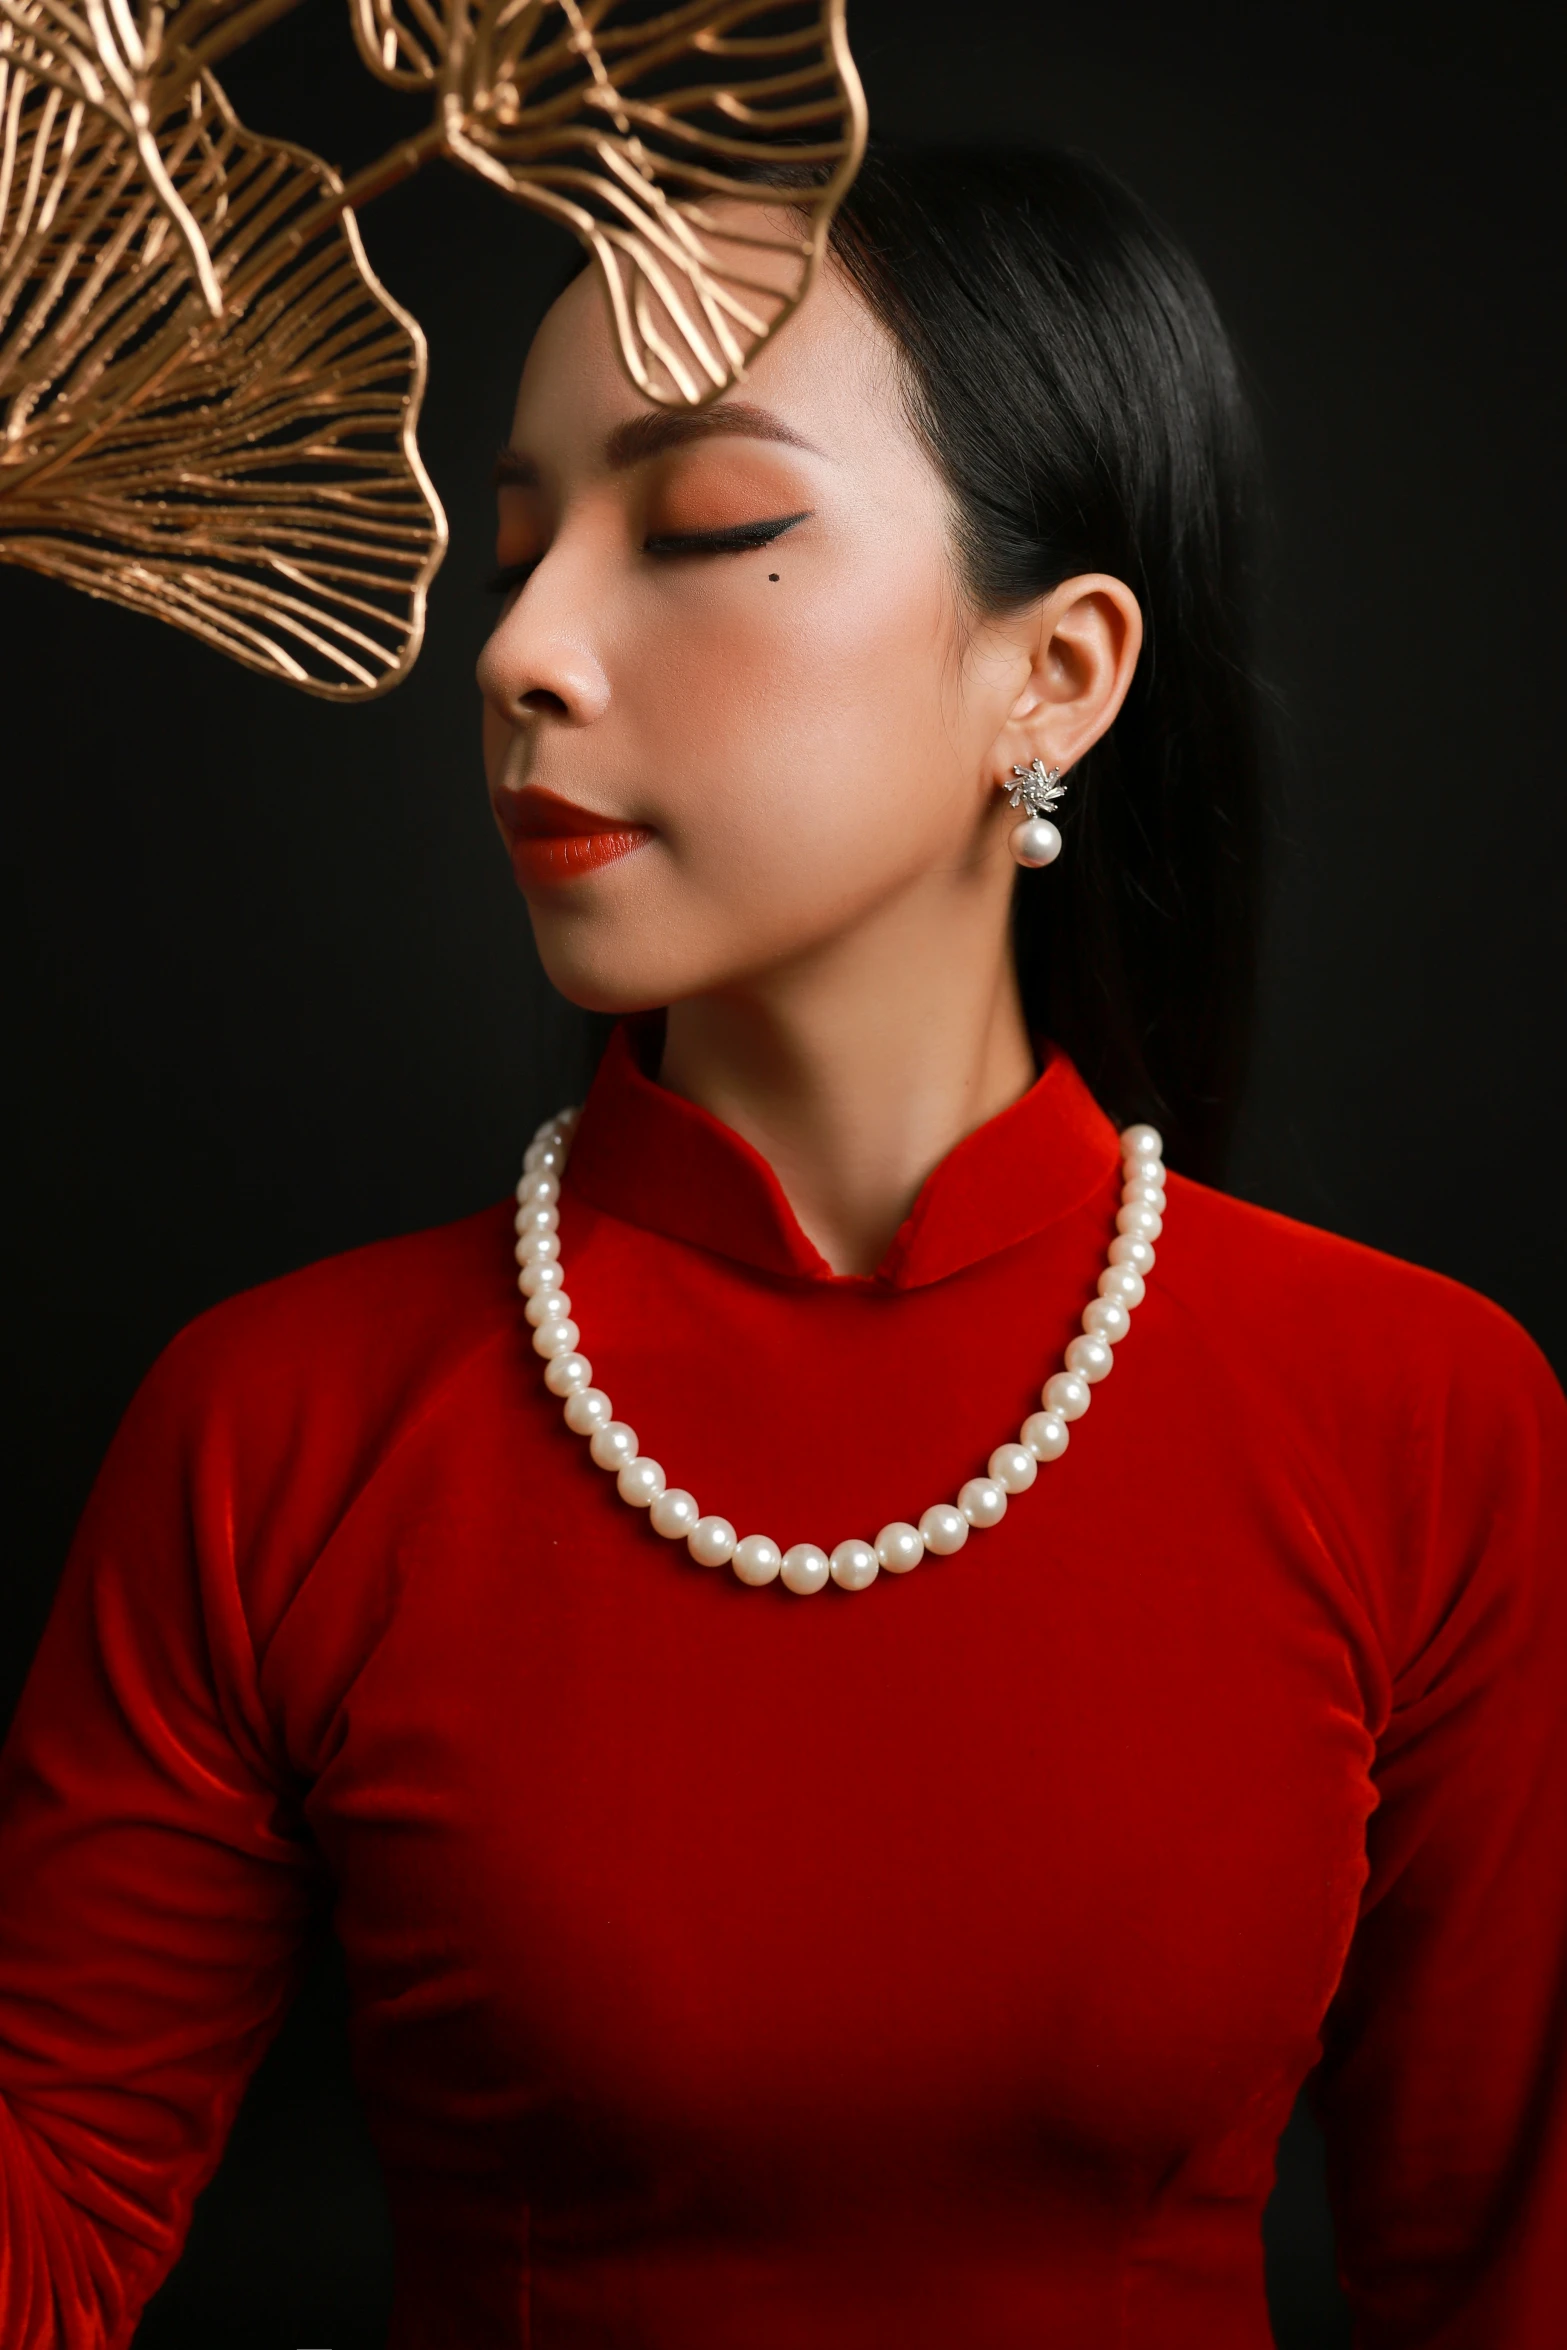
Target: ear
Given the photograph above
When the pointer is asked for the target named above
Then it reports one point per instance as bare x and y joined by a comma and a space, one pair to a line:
1086, 636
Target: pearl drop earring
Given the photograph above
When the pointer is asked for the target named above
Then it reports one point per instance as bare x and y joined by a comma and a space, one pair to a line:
1036, 842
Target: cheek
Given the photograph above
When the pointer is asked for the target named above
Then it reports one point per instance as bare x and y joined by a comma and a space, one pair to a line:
495, 735
793, 717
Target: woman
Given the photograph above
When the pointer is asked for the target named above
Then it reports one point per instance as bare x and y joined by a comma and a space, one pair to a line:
865, 1955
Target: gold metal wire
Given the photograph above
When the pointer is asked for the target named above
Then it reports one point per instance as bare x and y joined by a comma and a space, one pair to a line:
641, 130
207, 401
252, 478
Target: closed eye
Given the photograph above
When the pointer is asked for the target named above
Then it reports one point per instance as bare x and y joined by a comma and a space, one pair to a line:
740, 538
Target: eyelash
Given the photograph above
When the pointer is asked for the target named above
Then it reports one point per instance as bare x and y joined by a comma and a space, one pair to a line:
742, 538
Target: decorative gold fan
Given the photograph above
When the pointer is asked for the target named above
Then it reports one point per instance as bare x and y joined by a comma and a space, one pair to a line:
207, 401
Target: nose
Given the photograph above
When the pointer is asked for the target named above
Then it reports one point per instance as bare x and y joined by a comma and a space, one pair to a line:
541, 659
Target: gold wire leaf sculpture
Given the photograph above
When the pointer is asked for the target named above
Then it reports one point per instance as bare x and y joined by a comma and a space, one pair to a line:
207, 401
132, 67
252, 477
641, 127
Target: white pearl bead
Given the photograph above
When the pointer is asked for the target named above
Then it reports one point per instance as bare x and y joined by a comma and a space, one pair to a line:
756, 1560
983, 1501
1143, 1221
564, 1374
1090, 1358
1128, 1249
556, 1338
614, 1444
674, 1513
943, 1529
711, 1542
1013, 1466
854, 1564
1046, 1435
1035, 843
1140, 1194
1106, 1317
588, 1409
805, 1568
1123, 1282
535, 1248
640, 1482
543, 1216
540, 1273
1067, 1394
543, 1158
538, 1190
1142, 1142
900, 1546
549, 1305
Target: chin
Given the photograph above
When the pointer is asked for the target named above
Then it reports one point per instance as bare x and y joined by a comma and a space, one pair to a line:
604, 992
614, 981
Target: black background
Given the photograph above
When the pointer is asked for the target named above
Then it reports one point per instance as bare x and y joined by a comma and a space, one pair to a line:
274, 994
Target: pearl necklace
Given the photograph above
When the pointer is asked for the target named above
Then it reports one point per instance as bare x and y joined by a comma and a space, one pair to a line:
945, 1526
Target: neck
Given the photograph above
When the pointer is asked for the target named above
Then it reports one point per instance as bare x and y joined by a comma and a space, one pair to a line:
854, 1071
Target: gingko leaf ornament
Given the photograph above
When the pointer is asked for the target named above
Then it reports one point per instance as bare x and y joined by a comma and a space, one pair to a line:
252, 477
699, 151
208, 403
121, 70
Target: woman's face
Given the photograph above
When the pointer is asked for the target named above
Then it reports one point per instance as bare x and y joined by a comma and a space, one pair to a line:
734, 637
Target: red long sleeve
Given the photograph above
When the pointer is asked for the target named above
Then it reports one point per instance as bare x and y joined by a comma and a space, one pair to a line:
155, 1885
937, 1963
1443, 2092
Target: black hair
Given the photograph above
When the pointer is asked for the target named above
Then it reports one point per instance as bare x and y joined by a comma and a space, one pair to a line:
1068, 372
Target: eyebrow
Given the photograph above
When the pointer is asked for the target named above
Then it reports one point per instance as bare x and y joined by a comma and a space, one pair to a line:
644, 437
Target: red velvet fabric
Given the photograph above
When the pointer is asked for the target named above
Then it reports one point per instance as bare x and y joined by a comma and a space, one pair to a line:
931, 1966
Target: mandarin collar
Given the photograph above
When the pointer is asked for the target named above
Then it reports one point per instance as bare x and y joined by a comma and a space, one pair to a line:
654, 1159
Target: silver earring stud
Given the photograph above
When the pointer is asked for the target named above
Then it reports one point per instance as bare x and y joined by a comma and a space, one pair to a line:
1036, 788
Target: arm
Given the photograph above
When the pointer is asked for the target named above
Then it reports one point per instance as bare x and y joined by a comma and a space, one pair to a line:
1443, 2089
155, 1884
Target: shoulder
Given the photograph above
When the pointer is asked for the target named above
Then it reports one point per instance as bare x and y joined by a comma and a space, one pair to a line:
1421, 1428
391, 1310
262, 1422
319, 1370
259, 1429
1303, 1293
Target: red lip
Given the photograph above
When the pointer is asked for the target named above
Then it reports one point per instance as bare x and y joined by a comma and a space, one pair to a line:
552, 839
